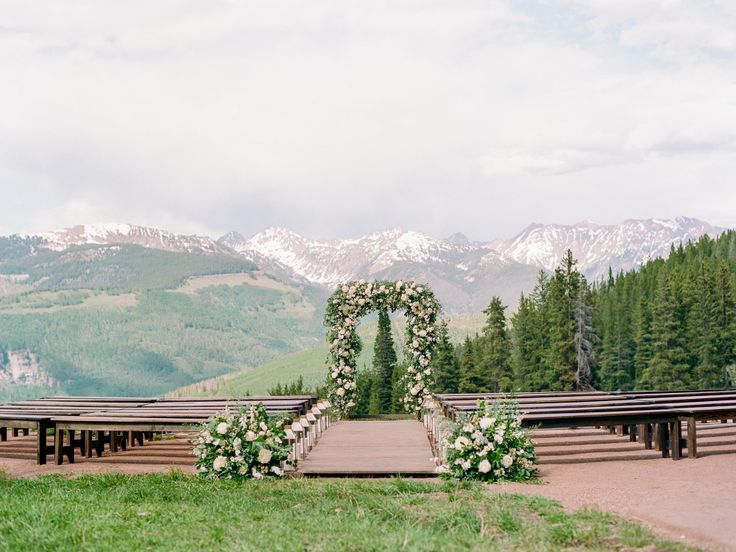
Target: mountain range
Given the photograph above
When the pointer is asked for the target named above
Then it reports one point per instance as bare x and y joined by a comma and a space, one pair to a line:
125, 309
464, 273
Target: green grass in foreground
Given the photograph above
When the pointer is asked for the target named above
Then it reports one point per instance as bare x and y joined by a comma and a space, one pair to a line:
178, 512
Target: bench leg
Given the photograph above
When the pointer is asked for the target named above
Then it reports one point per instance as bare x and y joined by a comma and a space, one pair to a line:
676, 439
3, 434
113, 441
59, 446
70, 450
87, 438
15, 432
663, 439
100, 444
41, 446
633, 433
692, 439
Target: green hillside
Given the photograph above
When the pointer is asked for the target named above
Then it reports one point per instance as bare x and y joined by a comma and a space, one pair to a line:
310, 363
134, 321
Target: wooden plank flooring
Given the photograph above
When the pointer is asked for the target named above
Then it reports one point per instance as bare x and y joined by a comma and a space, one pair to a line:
371, 448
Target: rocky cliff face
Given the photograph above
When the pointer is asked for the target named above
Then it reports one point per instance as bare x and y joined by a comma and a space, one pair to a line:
21, 367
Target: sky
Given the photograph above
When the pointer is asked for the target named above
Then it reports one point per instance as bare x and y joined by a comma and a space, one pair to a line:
340, 117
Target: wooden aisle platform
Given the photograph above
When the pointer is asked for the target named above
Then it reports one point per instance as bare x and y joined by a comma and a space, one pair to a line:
371, 448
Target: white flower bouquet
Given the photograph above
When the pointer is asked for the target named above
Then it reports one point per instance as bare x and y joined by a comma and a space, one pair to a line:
242, 444
490, 445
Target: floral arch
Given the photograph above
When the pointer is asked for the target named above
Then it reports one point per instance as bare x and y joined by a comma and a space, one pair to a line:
355, 299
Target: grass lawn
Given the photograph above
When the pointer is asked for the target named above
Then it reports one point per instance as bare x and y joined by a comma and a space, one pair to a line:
180, 512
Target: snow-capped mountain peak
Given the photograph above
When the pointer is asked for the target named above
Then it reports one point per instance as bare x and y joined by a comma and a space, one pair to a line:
596, 246
123, 233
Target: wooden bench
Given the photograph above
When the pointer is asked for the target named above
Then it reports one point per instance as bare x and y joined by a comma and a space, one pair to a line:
25, 421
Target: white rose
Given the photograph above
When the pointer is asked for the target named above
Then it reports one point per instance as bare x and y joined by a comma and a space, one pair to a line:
277, 470
222, 428
484, 466
250, 436
264, 456
219, 463
466, 465
236, 443
506, 461
485, 423
340, 392
499, 438
460, 442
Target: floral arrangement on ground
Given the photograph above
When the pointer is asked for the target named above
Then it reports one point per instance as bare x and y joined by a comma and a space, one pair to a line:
490, 445
241, 444
355, 299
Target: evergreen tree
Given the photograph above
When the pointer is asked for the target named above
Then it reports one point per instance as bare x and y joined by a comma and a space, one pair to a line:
471, 376
669, 368
364, 380
496, 349
585, 339
445, 364
530, 338
561, 354
384, 363
644, 345
725, 347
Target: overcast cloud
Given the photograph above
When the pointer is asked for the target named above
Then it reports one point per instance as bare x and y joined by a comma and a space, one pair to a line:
338, 117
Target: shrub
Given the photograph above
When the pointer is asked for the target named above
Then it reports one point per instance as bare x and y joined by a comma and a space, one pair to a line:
244, 444
490, 445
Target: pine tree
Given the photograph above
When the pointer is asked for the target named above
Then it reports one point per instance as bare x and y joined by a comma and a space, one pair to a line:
726, 323
364, 391
644, 344
530, 337
561, 354
445, 364
585, 340
669, 368
496, 350
471, 377
384, 363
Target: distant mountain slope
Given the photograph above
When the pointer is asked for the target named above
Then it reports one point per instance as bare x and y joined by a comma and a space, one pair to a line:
129, 234
310, 363
126, 319
466, 274
596, 247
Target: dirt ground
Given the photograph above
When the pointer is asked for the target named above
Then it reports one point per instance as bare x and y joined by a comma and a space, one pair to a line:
689, 500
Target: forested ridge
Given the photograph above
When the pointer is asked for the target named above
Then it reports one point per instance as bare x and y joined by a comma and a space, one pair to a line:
670, 324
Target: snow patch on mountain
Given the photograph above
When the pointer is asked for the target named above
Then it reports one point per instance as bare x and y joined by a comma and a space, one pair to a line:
597, 247
122, 233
